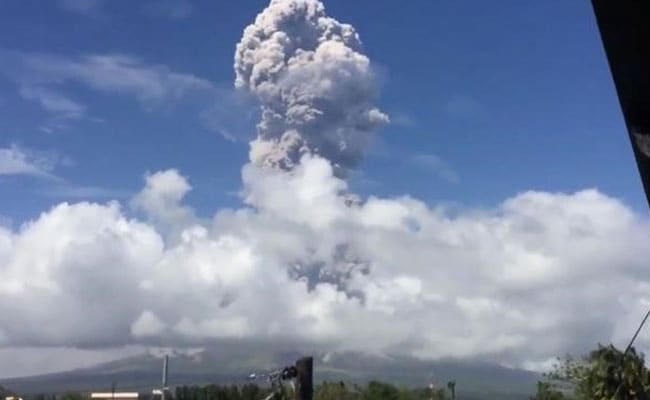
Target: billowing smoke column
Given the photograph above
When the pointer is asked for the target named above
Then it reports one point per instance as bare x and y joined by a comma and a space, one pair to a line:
315, 88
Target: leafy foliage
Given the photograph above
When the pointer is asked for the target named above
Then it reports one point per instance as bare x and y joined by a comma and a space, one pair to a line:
603, 375
547, 391
217, 392
375, 390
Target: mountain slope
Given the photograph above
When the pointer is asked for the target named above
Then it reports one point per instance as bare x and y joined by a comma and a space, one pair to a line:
143, 372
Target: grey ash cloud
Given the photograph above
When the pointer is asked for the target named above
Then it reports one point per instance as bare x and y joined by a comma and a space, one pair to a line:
315, 87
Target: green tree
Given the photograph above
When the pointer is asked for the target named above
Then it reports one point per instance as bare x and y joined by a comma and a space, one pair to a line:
547, 391
211, 392
233, 393
336, 391
380, 391
605, 375
250, 391
406, 394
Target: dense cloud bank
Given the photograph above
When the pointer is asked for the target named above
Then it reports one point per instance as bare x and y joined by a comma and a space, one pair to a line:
539, 275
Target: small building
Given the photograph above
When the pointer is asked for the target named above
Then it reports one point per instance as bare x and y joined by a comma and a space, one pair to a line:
115, 395
13, 398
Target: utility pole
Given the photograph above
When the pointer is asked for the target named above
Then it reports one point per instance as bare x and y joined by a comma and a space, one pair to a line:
305, 378
164, 388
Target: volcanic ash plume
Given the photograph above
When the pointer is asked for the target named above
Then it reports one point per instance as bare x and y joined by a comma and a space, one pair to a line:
315, 87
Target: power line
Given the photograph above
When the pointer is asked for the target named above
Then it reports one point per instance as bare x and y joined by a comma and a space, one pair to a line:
627, 350
629, 346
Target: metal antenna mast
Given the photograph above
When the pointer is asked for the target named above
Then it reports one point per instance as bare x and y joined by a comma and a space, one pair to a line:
164, 378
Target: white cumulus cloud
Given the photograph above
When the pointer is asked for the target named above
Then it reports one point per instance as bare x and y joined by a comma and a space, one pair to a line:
539, 275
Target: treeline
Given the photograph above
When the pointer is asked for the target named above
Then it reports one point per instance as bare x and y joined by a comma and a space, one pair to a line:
4, 393
374, 390
248, 391
604, 374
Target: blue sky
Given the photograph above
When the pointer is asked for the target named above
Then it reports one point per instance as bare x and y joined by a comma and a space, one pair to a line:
486, 100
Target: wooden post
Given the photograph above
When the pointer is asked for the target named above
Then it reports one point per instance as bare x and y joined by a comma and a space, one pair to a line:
305, 378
